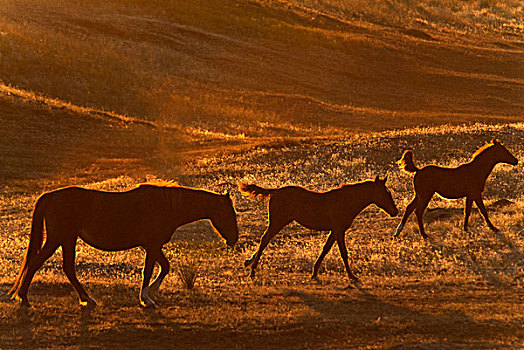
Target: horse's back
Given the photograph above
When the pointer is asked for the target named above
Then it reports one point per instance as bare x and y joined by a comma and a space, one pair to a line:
314, 210
446, 181
109, 220
293, 194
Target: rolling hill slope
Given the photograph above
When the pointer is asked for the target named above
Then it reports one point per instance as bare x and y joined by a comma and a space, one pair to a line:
250, 68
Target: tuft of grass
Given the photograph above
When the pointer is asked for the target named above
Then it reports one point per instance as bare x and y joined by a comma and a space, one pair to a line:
187, 272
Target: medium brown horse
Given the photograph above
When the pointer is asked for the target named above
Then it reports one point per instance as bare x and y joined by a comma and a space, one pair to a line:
146, 217
466, 180
332, 211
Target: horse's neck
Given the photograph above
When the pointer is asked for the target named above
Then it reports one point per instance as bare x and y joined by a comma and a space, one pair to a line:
359, 197
483, 165
193, 206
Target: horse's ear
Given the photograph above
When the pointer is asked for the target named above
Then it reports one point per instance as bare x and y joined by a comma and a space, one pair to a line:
377, 178
495, 142
386, 178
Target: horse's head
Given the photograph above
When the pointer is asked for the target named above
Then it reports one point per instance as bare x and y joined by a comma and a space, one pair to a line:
224, 219
502, 154
383, 198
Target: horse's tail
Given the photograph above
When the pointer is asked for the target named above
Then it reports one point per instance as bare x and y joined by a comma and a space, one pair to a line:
35, 241
254, 190
406, 162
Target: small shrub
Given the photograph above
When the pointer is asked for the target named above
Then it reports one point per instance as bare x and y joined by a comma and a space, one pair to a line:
188, 274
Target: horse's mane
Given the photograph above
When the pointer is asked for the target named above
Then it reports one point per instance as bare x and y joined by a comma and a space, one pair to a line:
163, 186
344, 185
481, 150
160, 183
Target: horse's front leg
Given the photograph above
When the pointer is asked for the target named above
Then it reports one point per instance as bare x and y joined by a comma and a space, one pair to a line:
409, 209
270, 232
484, 212
419, 212
327, 247
340, 235
164, 270
467, 212
149, 264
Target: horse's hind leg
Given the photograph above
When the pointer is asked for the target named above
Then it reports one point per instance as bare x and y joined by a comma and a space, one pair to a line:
421, 207
410, 208
47, 250
344, 254
151, 258
484, 212
68, 253
327, 247
164, 270
467, 212
270, 232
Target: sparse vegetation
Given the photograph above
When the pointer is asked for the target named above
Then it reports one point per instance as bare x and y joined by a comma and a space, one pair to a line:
315, 93
187, 272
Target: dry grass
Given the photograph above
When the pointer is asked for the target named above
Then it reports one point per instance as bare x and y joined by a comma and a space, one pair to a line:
231, 70
471, 282
187, 272
111, 94
457, 15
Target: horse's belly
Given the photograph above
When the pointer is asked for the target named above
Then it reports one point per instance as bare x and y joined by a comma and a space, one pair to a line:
320, 225
108, 240
454, 194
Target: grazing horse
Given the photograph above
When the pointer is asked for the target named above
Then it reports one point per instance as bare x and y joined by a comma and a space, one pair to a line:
146, 217
332, 211
466, 180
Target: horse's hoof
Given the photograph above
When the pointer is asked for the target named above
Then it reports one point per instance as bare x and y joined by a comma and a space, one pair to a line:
316, 279
148, 304
248, 262
494, 229
88, 303
354, 284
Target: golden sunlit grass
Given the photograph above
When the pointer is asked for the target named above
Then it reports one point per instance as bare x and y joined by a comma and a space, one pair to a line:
463, 15
235, 70
187, 272
409, 286
108, 95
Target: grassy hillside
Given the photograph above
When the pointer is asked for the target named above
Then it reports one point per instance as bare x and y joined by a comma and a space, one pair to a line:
236, 69
313, 93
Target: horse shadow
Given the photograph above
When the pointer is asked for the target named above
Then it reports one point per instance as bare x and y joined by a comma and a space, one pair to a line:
471, 263
355, 313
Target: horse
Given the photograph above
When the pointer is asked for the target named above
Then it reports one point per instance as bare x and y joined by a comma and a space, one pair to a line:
146, 216
467, 180
332, 211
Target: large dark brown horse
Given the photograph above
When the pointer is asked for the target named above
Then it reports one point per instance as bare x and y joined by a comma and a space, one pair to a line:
332, 211
146, 217
466, 180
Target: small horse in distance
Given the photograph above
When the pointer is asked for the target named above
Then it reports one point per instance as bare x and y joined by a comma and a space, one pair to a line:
146, 216
332, 211
467, 180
